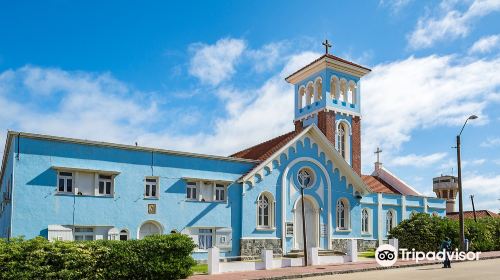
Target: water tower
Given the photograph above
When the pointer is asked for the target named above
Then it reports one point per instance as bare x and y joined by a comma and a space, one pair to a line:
446, 187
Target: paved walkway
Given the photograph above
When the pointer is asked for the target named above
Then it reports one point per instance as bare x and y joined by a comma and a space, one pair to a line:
320, 270
483, 270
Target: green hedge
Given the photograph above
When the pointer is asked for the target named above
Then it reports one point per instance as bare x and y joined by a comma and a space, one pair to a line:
155, 257
425, 233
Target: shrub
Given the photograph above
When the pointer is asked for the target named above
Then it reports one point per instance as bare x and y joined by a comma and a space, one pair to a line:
425, 233
155, 257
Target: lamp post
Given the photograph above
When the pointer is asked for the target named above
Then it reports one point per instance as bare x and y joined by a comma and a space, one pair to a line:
460, 199
304, 226
305, 180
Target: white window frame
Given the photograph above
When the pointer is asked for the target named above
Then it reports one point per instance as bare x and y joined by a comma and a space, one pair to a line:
84, 232
204, 237
343, 142
344, 204
189, 191
218, 187
392, 224
65, 178
149, 185
366, 223
109, 180
261, 211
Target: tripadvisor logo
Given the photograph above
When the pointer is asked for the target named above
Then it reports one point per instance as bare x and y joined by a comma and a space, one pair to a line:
387, 255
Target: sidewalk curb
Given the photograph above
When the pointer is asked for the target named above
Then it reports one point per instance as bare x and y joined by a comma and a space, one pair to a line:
315, 274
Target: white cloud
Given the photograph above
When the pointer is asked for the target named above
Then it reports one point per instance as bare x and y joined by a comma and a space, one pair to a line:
450, 23
485, 44
75, 104
417, 160
416, 93
266, 58
254, 115
482, 184
491, 142
213, 64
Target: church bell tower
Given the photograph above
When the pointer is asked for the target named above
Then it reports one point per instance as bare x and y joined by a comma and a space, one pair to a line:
327, 93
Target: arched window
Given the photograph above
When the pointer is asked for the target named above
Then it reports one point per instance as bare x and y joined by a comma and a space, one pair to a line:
343, 90
352, 92
342, 214
309, 93
390, 220
265, 211
123, 234
334, 88
318, 89
149, 228
342, 139
365, 221
302, 97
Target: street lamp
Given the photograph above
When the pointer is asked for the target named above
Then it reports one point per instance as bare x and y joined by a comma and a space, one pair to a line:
460, 201
305, 181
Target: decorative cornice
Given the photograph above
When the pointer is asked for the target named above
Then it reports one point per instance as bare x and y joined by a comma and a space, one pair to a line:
331, 62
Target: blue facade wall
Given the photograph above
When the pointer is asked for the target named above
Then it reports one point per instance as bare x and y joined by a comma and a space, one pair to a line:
6, 215
38, 204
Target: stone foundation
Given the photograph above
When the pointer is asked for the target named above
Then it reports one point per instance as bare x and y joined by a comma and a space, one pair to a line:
253, 247
340, 245
365, 245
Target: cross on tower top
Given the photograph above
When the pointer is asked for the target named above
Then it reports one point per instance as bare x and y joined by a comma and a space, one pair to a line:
327, 45
378, 151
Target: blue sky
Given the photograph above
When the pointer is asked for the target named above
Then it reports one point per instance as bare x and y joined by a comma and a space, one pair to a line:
207, 76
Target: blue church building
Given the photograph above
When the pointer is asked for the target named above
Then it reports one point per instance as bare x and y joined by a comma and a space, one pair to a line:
73, 189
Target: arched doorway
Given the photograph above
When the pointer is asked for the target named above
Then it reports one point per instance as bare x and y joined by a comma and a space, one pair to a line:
149, 228
312, 223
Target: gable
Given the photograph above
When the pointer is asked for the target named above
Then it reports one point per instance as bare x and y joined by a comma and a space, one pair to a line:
325, 149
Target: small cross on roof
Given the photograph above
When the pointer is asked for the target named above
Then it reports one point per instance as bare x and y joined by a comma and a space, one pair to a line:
378, 151
327, 45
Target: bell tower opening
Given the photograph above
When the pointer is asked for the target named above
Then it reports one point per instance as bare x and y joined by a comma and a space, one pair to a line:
327, 94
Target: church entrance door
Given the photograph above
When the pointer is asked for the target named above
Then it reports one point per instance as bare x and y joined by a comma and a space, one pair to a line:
312, 224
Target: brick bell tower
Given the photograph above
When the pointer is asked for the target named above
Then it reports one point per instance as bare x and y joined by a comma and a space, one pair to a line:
327, 93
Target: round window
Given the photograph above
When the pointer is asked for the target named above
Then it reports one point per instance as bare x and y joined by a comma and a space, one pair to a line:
306, 178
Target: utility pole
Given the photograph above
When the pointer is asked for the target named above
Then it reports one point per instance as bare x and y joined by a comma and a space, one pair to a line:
460, 192
473, 208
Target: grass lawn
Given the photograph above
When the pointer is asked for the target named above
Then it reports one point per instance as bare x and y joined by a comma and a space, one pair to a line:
200, 269
367, 254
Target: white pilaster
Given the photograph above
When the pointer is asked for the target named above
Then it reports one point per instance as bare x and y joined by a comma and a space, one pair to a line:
379, 218
425, 205
403, 207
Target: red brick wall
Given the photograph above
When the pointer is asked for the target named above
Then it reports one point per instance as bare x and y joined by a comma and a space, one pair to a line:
298, 126
356, 144
326, 123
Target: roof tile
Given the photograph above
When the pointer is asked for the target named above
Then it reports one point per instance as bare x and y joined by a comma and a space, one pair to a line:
266, 149
470, 214
378, 185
